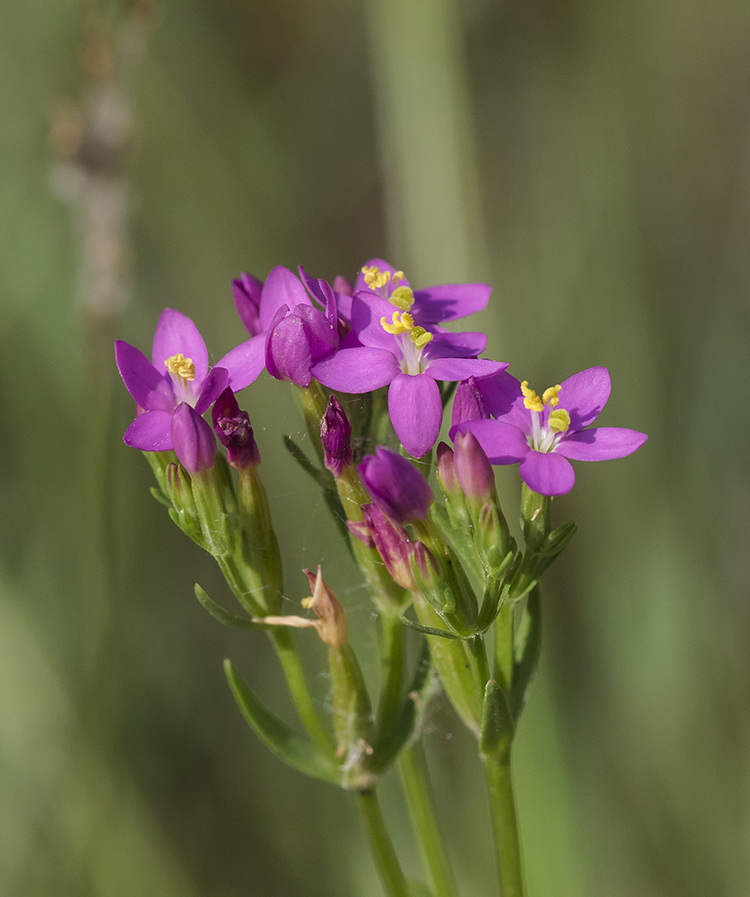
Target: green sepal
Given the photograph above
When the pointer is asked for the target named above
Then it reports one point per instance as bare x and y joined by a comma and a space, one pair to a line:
160, 497
290, 747
427, 630
498, 726
527, 647
222, 615
189, 525
495, 595
557, 540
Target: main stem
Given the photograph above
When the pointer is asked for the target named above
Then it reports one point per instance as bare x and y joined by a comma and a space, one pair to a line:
381, 846
411, 767
504, 824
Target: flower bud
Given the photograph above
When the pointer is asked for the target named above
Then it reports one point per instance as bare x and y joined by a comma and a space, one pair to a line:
192, 439
473, 469
394, 546
332, 624
468, 403
235, 432
335, 435
446, 473
396, 486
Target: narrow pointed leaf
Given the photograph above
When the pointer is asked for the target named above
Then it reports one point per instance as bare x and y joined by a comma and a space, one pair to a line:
160, 497
321, 477
428, 630
527, 651
222, 615
290, 747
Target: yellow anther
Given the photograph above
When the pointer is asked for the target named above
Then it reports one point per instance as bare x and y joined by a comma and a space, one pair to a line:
559, 420
530, 399
398, 275
183, 367
550, 396
308, 602
402, 297
420, 337
375, 278
401, 323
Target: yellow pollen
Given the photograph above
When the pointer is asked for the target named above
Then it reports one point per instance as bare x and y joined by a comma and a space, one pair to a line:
559, 420
308, 602
375, 278
530, 399
402, 297
398, 275
183, 367
401, 323
420, 337
550, 396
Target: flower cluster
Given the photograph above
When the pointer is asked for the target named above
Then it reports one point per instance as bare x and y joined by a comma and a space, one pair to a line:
446, 557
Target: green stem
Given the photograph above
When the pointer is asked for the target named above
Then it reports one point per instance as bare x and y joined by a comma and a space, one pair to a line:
411, 767
504, 824
281, 639
391, 649
381, 846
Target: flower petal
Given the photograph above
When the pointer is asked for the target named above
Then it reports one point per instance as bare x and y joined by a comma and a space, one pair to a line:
600, 443
192, 439
151, 388
450, 301
246, 292
150, 432
467, 344
504, 398
176, 333
213, 386
502, 442
245, 362
282, 287
547, 473
463, 368
357, 370
288, 348
416, 411
584, 395
368, 309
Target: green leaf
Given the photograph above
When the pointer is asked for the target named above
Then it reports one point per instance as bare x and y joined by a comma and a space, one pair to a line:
320, 476
428, 630
498, 725
222, 615
290, 747
528, 647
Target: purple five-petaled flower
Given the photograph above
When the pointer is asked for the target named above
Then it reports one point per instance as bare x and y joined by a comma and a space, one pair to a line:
410, 358
544, 433
177, 373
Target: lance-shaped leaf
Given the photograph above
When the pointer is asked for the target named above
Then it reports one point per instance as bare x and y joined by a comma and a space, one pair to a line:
222, 615
528, 646
498, 726
290, 747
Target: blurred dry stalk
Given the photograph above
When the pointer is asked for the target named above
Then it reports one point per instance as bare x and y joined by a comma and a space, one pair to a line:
90, 141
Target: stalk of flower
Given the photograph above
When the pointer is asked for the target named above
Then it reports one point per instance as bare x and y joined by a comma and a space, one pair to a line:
259, 560
335, 436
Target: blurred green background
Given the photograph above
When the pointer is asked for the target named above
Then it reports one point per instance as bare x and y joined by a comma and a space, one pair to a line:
591, 161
